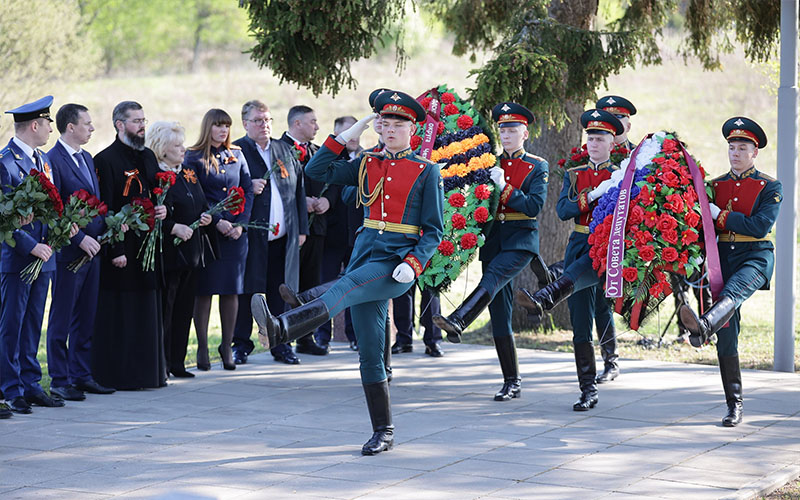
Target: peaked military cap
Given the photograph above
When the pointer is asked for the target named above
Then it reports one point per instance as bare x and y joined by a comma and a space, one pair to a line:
36, 109
374, 95
510, 114
616, 105
599, 120
741, 127
399, 104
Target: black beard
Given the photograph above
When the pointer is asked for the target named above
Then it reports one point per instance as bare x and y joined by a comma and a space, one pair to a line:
133, 141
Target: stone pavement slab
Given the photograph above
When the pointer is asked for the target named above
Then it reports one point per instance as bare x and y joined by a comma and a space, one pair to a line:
269, 430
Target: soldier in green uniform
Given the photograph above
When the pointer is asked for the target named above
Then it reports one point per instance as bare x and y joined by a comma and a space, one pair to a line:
402, 198
511, 242
746, 204
579, 284
623, 109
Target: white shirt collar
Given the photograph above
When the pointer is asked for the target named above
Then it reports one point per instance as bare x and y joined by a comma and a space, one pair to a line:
66, 146
290, 136
24, 147
263, 150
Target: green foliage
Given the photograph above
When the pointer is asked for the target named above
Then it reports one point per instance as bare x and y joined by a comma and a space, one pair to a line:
312, 43
165, 34
754, 23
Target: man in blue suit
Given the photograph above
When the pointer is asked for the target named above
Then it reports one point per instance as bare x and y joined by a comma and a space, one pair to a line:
74, 303
22, 307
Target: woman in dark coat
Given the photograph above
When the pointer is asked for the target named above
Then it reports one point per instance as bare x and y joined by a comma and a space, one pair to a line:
219, 166
186, 203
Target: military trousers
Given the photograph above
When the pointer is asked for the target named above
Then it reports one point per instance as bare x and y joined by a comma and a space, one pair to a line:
498, 274
739, 287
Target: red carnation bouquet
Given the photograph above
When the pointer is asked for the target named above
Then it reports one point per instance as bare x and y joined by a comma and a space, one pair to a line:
234, 203
580, 156
134, 216
148, 249
662, 229
81, 209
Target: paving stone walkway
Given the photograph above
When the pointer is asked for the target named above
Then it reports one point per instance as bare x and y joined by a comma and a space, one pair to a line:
274, 431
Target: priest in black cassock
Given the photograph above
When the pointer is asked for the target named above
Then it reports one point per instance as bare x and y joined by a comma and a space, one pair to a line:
128, 343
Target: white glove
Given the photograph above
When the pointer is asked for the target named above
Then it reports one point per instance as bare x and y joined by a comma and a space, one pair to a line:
498, 177
715, 210
403, 273
356, 129
601, 189
618, 175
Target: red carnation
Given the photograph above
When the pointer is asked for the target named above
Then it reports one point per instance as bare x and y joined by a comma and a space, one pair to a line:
669, 254
464, 122
166, 178
650, 219
689, 236
670, 236
482, 192
446, 248
415, 141
469, 240
666, 222
630, 274
690, 196
440, 128
450, 109
459, 221
481, 215
236, 197
456, 200
277, 229
562, 162
647, 253
646, 196
448, 98
158, 191
426, 102
692, 218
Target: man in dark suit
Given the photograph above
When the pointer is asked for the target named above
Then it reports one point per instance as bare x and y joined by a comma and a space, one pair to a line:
320, 196
280, 199
22, 307
74, 303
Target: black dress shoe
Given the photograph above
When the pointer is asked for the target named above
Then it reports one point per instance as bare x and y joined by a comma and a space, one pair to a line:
307, 345
353, 345
434, 351
92, 387
289, 358
400, 348
43, 399
239, 357
178, 373
67, 393
19, 405
5, 411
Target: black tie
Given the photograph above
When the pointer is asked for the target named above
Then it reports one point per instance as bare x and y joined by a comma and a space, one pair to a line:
37, 160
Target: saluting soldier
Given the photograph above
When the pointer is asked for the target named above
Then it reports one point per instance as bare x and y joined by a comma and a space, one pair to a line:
402, 198
22, 304
512, 241
579, 284
746, 204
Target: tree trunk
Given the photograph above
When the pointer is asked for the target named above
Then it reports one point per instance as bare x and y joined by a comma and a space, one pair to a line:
552, 144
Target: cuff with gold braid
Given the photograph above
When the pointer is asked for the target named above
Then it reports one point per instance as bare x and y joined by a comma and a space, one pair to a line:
722, 218
583, 201
414, 263
506, 193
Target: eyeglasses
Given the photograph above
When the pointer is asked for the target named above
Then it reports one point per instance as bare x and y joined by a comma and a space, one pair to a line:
138, 121
260, 121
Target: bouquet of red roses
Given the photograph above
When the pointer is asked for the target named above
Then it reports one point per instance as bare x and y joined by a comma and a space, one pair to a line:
165, 181
131, 216
234, 203
35, 196
80, 210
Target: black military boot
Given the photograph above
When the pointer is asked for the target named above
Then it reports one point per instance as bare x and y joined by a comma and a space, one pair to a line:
380, 412
587, 371
307, 345
294, 299
289, 296
714, 319
387, 351
289, 326
464, 315
544, 276
546, 298
507, 354
608, 350
732, 383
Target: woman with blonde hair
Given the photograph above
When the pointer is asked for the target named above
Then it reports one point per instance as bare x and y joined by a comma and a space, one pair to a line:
220, 166
186, 203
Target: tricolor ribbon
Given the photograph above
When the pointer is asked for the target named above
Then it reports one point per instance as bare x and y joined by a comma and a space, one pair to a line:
616, 240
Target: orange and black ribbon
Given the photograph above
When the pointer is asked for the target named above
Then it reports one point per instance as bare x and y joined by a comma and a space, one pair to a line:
131, 176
